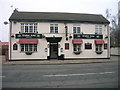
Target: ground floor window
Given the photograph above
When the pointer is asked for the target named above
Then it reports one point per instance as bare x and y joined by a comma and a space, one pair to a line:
77, 48
66, 45
28, 47
105, 46
88, 46
15, 46
98, 48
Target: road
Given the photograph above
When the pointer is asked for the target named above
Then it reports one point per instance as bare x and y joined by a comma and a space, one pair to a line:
92, 75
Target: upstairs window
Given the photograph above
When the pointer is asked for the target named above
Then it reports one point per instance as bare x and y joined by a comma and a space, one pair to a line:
98, 29
28, 28
53, 28
76, 29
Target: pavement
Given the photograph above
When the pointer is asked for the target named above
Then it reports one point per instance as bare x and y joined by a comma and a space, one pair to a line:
48, 62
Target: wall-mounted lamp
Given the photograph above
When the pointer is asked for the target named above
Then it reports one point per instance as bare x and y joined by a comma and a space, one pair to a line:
61, 49
12, 36
70, 36
45, 49
48, 45
15, 22
58, 45
82, 33
43, 36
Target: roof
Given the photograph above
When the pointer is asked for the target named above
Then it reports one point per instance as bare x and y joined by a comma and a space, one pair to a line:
57, 17
4, 43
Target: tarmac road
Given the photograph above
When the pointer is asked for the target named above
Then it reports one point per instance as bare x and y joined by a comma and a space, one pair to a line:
90, 75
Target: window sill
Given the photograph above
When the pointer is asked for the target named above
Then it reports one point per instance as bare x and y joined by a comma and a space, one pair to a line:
29, 33
77, 33
99, 52
77, 52
98, 33
53, 33
28, 52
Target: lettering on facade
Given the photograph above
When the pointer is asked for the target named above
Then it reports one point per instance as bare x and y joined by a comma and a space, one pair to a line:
88, 36
28, 36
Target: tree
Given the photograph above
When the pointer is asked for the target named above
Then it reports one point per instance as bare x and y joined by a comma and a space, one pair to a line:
114, 29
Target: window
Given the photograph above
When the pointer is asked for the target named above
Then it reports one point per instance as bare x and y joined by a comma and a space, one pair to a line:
28, 28
28, 47
88, 46
22, 47
105, 46
66, 45
98, 29
98, 47
15, 46
77, 47
76, 29
53, 28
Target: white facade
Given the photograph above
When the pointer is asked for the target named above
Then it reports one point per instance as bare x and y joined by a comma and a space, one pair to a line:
43, 46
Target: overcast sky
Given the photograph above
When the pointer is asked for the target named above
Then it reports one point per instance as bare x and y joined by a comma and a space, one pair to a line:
74, 6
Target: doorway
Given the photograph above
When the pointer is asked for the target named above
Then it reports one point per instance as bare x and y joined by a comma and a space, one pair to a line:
53, 50
53, 47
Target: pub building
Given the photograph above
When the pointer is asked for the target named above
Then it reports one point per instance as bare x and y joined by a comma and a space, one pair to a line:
56, 35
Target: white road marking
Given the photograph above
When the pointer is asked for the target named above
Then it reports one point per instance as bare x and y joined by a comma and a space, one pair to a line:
2, 76
64, 75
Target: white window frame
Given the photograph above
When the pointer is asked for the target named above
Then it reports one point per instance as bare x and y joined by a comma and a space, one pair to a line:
76, 29
26, 48
53, 28
99, 46
98, 29
77, 47
28, 27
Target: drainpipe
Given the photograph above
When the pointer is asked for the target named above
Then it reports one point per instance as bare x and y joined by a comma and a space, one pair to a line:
10, 40
108, 40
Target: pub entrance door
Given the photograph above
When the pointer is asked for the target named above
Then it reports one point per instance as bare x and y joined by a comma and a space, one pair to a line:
53, 50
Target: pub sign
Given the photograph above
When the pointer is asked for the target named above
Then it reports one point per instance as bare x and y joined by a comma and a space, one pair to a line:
29, 36
88, 36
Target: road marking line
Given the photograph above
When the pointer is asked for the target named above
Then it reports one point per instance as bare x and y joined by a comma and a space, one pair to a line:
2, 76
64, 75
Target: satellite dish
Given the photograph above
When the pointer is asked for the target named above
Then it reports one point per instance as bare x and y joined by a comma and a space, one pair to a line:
5, 22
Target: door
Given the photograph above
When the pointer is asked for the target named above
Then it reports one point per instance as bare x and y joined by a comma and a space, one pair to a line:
53, 50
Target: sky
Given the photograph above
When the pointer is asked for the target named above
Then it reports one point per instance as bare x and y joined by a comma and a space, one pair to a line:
72, 6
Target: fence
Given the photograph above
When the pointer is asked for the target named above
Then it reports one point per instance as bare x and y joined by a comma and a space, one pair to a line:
115, 50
